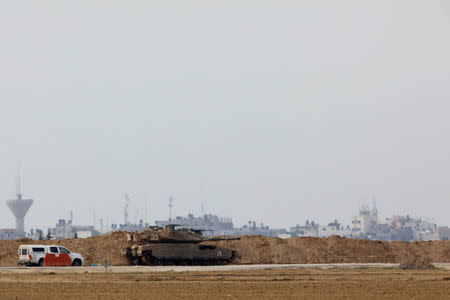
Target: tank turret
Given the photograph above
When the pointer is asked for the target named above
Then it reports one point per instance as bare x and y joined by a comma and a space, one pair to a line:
169, 234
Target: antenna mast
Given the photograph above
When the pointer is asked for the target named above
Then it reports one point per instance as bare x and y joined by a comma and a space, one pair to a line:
125, 209
18, 192
145, 212
93, 216
170, 207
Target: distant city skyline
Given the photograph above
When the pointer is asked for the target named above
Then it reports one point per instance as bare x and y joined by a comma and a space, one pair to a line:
138, 214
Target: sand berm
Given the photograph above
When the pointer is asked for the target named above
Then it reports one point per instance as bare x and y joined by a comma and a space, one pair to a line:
261, 250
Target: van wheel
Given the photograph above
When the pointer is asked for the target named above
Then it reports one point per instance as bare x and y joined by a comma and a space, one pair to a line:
76, 263
41, 262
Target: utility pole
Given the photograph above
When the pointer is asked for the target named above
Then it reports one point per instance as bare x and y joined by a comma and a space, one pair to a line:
94, 218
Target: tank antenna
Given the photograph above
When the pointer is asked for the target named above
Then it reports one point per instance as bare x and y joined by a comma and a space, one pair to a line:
18, 192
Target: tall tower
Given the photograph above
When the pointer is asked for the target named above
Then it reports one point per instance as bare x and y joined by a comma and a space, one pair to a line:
19, 207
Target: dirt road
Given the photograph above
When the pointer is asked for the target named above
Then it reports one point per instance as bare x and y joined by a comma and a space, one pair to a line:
152, 269
388, 283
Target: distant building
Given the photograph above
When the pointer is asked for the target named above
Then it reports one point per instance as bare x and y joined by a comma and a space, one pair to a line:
65, 230
10, 234
444, 233
333, 228
364, 222
213, 225
37, 234
309, 229
313, 229
253, 229
129, 226
398, 228
285, 236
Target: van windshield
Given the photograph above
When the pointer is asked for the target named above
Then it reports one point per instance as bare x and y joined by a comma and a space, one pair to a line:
24, 251
63, 250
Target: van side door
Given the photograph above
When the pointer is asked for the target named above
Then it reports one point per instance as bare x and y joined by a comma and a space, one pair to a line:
52, 257
37, 253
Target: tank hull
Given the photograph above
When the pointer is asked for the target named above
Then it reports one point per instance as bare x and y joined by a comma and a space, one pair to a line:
178, 254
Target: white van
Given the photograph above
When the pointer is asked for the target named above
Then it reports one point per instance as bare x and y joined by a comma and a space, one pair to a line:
48, 255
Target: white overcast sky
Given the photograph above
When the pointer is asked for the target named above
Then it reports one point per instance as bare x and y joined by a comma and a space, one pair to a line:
273, 111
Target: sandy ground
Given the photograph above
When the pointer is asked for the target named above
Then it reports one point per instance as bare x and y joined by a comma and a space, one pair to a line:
333, 275
384, 283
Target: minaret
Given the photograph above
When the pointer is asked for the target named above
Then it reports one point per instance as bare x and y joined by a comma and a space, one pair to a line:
19, 207
374, 207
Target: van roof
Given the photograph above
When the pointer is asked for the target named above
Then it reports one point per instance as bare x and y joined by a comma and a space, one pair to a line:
29, 246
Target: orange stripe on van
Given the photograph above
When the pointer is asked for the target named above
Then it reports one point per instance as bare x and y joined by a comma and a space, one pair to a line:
55, 260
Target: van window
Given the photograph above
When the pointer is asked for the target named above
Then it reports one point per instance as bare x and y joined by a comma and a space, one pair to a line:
24, 251
54, 249
38, 249
63, 250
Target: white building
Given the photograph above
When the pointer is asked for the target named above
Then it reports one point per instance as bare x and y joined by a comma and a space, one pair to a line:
366, 220
65, 230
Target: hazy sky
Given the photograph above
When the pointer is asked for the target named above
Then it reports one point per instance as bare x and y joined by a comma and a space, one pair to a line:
273, 111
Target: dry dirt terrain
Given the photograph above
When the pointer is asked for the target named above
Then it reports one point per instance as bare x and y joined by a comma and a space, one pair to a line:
262, 250
389, 283
381, 283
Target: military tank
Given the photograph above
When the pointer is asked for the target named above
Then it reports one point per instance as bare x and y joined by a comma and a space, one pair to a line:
175, 246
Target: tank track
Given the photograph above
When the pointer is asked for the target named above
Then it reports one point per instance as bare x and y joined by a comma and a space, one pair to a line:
153, 261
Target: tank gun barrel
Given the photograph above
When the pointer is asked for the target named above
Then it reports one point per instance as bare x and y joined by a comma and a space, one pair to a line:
222, 238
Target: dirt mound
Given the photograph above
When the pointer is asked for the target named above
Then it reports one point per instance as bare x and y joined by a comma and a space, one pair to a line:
263, 250
95, 249
266, 250
24, 240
